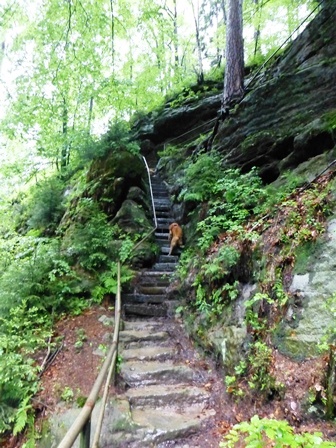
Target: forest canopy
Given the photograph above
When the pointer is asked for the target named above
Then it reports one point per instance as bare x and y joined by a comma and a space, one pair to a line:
69, 68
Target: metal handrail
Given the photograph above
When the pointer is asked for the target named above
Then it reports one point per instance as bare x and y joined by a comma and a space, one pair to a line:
153, 207
151, 191
82, 424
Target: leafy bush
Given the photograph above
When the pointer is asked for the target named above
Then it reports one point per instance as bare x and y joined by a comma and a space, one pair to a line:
235, 197
262, 433
21, 334
39, 275
88, 241
201, 177
118, 136
46, 206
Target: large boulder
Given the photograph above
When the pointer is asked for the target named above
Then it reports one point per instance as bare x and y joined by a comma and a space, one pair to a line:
110, 179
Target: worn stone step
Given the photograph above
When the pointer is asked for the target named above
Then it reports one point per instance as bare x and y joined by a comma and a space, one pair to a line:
159, 192
165, 221
162, 206
138, 373
131, 335
149, 325
162, 235
151, 289
163, 214
164, 266
165, 250
163, 203
158, 274
148, 353
150, 280
162, 242
167, 395
171, 423
145, 310
168, 258
143, 298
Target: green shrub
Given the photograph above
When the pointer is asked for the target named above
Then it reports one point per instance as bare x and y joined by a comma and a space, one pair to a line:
235, 197
46, 206
262, 433
89, 241
201, 177
39, 275
23, 332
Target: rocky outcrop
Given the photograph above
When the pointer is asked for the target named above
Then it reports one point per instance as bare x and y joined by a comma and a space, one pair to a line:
309, 319
112, 178
290, 115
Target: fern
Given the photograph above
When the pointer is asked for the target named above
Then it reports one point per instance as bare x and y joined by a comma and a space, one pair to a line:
21, 418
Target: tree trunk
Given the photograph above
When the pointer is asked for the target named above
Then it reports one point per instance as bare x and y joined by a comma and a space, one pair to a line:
90, 115
176, 49
257, 29
234, 71
200, 72
65, 152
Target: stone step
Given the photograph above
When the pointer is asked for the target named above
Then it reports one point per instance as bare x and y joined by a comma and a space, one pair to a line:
158, 267
143, 298
158, 274
151, 289
145, 310
162, 206
171, 423
165, 250
138, 373
165, 221
162, 202
157, 191
150, 280
162, 235
163, 214
162, 242
167, 395
168, 258
145, 335
148, 353
149, 325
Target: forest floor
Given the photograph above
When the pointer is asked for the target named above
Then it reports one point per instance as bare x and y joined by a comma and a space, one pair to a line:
73, 372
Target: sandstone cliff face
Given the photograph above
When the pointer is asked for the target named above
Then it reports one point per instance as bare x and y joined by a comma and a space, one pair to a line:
290, 115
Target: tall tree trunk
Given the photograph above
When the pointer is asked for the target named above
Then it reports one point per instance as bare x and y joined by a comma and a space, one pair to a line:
257, 29
90, 114
112, 36
176, 54
200, 72
65, 147
234, 70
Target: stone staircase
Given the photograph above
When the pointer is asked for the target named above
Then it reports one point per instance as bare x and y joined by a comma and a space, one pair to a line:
166, 399
149, 298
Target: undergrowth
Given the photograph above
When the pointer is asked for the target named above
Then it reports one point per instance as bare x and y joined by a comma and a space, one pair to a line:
239, 218
261, 433
52, 264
